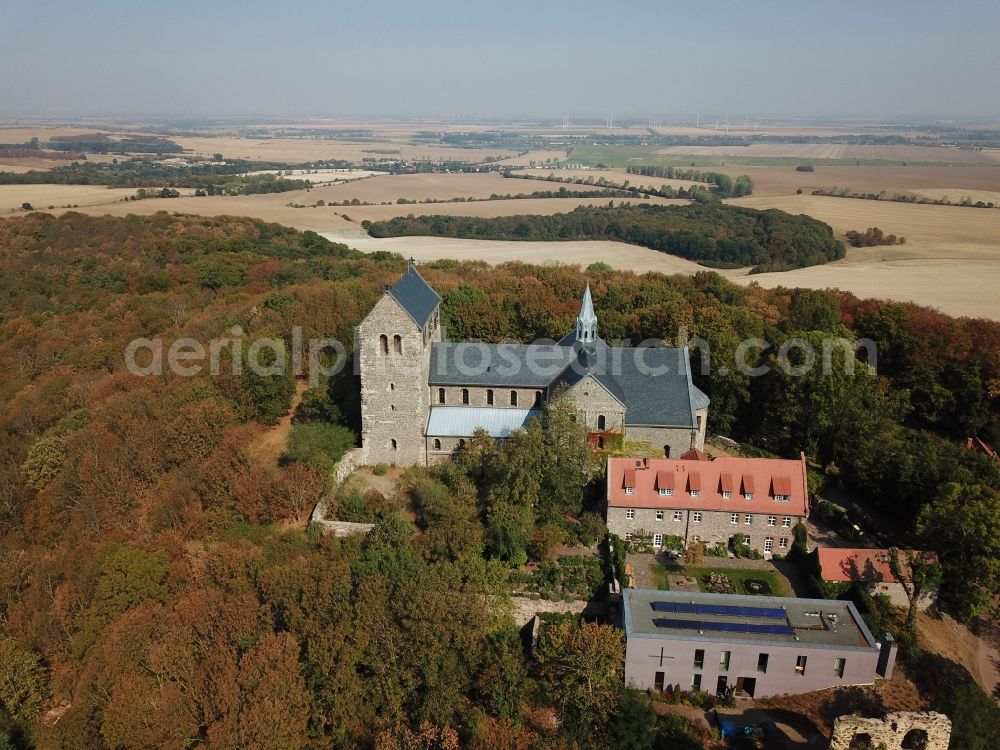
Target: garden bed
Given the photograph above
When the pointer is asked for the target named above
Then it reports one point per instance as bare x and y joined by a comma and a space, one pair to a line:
567, 578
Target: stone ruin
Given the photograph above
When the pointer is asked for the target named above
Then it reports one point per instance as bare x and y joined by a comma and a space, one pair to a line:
907, 730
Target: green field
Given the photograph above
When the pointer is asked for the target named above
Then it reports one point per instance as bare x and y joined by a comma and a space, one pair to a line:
626, 156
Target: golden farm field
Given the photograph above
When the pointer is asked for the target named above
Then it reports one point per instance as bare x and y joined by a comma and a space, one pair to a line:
785, 180
304, 149
840, 151
43, 196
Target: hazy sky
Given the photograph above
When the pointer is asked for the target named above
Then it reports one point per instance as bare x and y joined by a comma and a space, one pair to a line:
877, 58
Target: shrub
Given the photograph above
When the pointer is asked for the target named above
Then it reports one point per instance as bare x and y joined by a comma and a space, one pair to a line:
380, 469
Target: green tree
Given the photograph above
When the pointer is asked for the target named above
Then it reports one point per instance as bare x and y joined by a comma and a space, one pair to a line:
963, 525
583, 662
319, 444
23, 681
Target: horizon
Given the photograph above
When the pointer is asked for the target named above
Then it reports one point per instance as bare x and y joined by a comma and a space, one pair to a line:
447, 62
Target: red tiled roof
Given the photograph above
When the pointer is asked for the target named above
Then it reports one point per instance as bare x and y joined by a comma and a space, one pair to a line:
695, 455
707, 477
694, 481
843, 565
726, 482
781, 485
628, 479
664, 480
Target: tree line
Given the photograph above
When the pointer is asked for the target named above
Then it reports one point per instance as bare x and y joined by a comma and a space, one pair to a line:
713, 234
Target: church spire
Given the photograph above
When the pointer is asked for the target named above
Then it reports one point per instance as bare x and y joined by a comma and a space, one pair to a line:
586, 321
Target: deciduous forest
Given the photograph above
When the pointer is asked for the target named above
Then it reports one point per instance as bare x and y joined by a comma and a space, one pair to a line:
712, 233
159, 587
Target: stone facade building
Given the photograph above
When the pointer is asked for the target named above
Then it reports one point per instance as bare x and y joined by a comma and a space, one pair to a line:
873, 569
708, 500
753, 646
423, 397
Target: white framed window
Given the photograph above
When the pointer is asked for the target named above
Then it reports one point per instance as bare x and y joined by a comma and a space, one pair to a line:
783, 543
781, 498
734, 518
786, 522
748, 520
657, 540
771, 520
659, 515
678, 515
697, 516
628, 536
629, 490
630, 513
694, 493
748, 496
726, 495
666, 491
768, 543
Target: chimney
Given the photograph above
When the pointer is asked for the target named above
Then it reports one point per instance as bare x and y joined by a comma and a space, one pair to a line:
887, 656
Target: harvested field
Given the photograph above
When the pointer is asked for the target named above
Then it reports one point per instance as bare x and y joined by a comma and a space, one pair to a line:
839, 151
43, 196
418, 187
538, 157
950, 260
582, 253
272, 207
784, 180
489, 209
299, 150
616, 176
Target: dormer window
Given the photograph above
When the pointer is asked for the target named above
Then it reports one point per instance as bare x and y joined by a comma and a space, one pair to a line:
726, 495
666, 491
629, 490
749, 496
781, 498
694, 493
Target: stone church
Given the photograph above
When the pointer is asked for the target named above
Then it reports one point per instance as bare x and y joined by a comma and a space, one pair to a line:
423, 397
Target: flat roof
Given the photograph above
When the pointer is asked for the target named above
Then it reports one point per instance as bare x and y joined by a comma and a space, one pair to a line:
685, 615
463, 421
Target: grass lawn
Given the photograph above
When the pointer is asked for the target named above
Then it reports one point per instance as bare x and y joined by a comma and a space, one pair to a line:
779, 586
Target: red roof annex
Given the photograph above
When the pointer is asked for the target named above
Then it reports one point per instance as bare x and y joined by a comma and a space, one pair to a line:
842, 564
722, 483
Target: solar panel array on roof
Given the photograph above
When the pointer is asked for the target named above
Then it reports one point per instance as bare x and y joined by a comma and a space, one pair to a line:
724, 627
724, 610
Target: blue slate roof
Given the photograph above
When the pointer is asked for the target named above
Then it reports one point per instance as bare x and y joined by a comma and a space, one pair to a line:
415, 296
654, 384
463, 421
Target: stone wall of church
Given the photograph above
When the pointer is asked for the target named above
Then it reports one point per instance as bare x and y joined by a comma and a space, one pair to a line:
657, 440
393, 385
593, 401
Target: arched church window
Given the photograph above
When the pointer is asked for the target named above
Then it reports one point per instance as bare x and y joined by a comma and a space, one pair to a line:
392, 444
440, 395
383, 342
513, 398
601, 422
437, 444
397, 344
465, 395
489, 397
